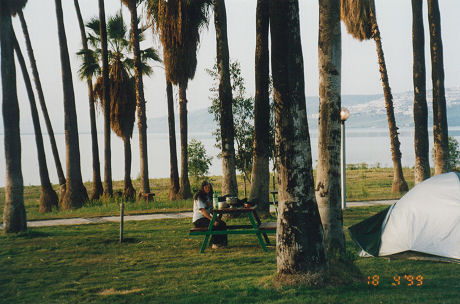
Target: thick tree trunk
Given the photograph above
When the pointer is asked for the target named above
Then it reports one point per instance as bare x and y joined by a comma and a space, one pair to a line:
229, 184
48, 197
108, 188
440, 132
260, 176
174, 173
328, 191
97, 190
422, 161
299, 237
129, 191
41, 99
75, 195
184, 191
14, 213
399, 183
141, 115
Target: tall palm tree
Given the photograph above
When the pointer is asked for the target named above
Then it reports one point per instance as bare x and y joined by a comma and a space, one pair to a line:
361, 22
174, 174
440, 132
97, 190
122, 96
75, 194
328, 192
108, 188
141, 115
299, 247
48, 197
41, 99
422, 162
14, 213
179, 23
229, 184
260, 176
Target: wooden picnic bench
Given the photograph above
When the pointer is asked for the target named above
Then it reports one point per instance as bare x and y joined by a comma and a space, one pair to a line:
257, 227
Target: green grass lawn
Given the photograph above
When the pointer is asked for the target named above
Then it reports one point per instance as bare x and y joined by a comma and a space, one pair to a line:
160, 263
362, 184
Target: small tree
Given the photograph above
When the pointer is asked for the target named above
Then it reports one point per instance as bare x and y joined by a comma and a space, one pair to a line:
454, 153
198, 161
243, 117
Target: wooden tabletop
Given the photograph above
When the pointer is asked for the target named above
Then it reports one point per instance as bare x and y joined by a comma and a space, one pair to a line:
234, 210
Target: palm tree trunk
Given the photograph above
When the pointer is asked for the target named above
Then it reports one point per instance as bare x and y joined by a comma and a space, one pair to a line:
328, 191
48, 197
141, 115
440, 132
75, 195
399, 183
229, 184
174, 173
422, 162
129, 191
14, 213
260, 176
97, 190
108, 188
184, 191
41, 99
299, 247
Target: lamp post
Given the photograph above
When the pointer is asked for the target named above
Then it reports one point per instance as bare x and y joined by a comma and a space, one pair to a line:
344, 115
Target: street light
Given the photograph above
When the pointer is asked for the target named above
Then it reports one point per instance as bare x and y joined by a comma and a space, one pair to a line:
344, 115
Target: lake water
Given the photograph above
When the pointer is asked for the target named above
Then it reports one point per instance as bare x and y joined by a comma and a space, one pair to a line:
371, 146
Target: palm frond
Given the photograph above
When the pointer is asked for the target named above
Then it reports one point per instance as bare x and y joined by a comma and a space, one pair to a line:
358, 16
89, 67
150, 54
93, 25
116, 28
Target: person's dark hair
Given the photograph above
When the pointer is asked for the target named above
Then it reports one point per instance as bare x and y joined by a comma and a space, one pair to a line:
201, 193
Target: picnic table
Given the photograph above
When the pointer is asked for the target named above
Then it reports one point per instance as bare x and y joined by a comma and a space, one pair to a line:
256, 226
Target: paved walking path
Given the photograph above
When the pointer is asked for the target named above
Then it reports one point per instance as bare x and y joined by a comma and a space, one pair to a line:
155, 216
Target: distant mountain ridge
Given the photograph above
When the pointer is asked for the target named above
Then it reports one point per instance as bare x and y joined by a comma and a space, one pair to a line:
367, 111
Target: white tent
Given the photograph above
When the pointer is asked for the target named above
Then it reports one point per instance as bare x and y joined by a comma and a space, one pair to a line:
426, 219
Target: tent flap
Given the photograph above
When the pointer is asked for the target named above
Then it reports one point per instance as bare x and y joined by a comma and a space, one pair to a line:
366, 234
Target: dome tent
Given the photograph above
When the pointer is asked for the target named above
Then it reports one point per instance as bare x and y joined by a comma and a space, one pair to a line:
425, 220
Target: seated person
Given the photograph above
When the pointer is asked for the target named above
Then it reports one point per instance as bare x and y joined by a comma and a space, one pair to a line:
202, 206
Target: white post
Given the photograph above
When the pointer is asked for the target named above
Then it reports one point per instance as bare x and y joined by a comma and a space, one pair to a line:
344, 114
343, 171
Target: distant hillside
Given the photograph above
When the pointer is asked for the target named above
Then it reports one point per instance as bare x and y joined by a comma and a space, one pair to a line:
367, 111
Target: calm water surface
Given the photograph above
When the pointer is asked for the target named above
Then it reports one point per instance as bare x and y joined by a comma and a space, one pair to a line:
362, 145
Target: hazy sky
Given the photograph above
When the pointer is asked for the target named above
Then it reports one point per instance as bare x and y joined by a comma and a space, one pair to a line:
359, 62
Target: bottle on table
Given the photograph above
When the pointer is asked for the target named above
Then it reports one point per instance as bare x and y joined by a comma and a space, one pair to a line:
215, 201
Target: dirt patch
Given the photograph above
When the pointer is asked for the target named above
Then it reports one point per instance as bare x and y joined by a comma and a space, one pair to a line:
111, 291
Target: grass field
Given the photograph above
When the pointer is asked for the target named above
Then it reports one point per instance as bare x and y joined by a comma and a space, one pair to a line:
362, 184
160, 263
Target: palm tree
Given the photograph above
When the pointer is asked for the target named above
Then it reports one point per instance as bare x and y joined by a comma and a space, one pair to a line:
174, 174
14, 213
108, 189
141, 115
179, 23
41, 99
122, 96
75, 194
97, 190
48, 197
422, 162
440, 132
260, 176
299, 247
361, 22
229, 184
328, 192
